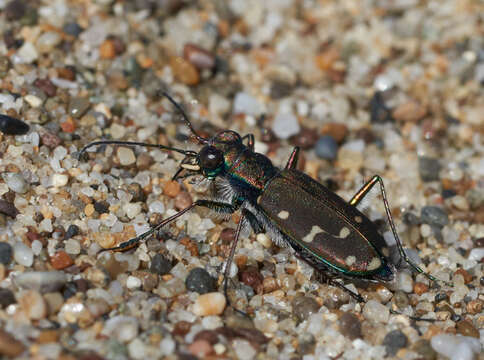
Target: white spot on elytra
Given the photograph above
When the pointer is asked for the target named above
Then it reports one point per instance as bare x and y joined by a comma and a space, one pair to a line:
283, 215
358, 219
374, 264
350, 260
385, 251
315, 230
344, 232
259, 199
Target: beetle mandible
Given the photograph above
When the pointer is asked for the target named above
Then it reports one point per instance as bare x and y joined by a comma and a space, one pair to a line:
330, 234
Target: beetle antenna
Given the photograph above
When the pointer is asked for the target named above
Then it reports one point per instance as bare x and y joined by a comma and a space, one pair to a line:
185, 117
134, 143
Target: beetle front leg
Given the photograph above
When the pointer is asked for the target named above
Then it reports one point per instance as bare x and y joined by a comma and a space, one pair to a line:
361, 194
220, 207
292, 162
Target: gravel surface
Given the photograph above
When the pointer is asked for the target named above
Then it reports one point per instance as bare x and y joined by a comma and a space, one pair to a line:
393, 88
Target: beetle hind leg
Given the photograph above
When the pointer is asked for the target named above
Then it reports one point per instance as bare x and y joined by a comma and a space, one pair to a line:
357, 199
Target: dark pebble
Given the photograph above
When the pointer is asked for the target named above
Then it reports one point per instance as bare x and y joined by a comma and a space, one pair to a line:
280, 89
429, 168
78, 106
72, 28
160, 265
481, 280
394, 341
441, 297
379, 111
326, 147
6, 297
424, 349
15, 10
200, 281
304, 306
305, 139
136, 192
12, 126
72, 230
350, 325
434, 215
101, 207
46, 86
448, 193
69, 290
410, 218
227, 235
5, 253
8, 208
252, 277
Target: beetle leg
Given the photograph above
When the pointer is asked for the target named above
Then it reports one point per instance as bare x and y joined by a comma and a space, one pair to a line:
292, 162
230, 258
254, 223
250, 140
219, 207
361, 194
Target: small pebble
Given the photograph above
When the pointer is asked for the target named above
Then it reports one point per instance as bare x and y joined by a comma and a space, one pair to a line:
429, 168
133, 283
456, 347
337, 131
78, 106
126, 156
246, 104
72, 246
209, 304
171, 188
59, 180
252, 277
33, 304
60, 260
184, 71
22, 254
350, 326
304, 306
243, 350
15, 10
375, 311
285, 125
72, 230
72, 28
404, 281
15, 182
160, 265
200, 348
33, 101
379, 111
5, 253
434, 215
326, 148
410, 111
200, 58
8, 208
394, 341
200, 281
122, 328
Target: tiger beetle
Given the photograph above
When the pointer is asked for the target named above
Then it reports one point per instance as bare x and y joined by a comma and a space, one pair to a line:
330, 234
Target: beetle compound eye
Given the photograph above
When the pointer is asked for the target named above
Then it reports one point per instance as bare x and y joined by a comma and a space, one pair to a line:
211, 158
